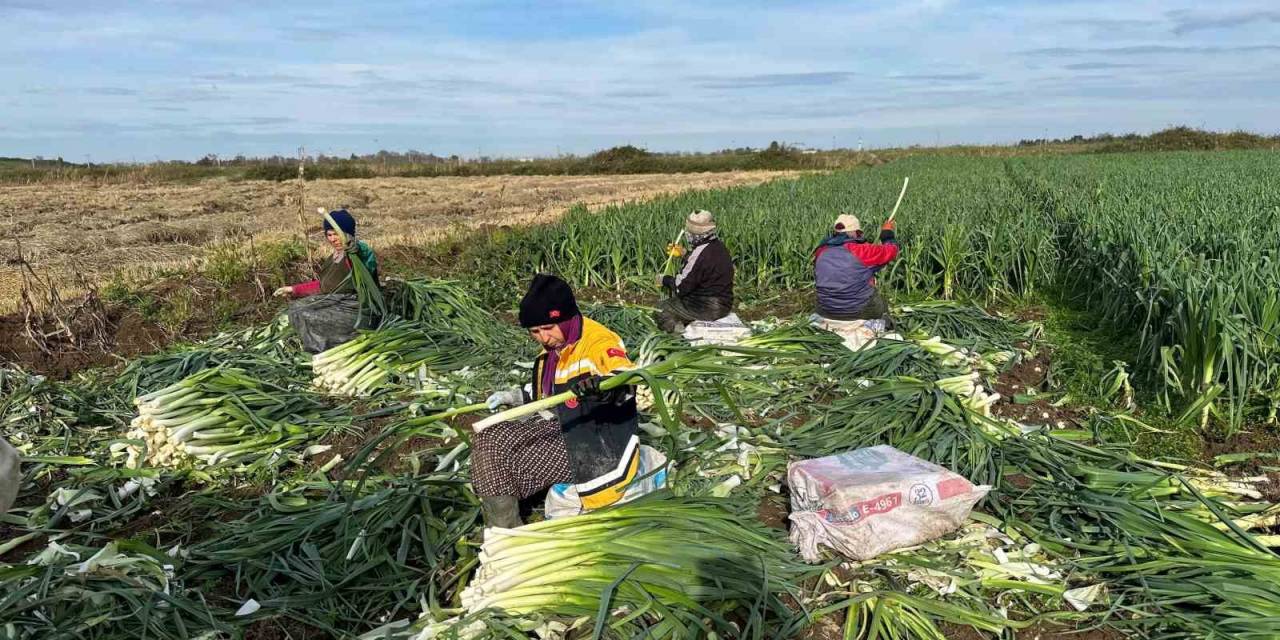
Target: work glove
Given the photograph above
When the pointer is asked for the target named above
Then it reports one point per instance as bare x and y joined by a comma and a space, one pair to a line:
886, 231
508, 398
282, 292
588, 387
659, 279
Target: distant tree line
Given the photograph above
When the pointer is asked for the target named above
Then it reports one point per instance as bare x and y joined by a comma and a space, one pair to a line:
615, 160
1171, 139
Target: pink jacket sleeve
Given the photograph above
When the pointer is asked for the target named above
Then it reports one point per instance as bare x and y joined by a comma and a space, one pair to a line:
304, 289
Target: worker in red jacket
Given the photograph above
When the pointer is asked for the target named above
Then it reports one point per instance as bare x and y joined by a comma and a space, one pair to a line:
845, 266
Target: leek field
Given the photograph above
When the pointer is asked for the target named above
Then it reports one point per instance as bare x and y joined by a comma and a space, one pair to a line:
236, 487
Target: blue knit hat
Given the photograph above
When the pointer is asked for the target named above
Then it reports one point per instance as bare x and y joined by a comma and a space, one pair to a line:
344, 220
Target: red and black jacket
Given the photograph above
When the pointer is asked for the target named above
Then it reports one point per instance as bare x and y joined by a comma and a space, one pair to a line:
844, 270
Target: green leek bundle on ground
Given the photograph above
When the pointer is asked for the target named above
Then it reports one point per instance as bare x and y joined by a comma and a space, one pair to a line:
1174, 550
340, 558
446, 306
887, 357
919, 417
396, 351
125, 589
224, 415
965, 325
671, 565
274, 360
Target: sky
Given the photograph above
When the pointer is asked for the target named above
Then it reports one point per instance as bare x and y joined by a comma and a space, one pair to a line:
102, 80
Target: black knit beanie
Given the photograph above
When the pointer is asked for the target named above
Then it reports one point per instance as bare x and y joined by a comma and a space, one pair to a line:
549, 301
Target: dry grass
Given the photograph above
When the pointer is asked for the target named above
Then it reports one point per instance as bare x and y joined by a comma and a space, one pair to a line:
137, 229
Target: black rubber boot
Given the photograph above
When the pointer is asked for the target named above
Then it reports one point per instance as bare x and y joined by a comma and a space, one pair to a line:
500, 511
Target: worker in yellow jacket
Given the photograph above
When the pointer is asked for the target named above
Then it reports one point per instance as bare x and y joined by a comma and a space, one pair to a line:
589, 441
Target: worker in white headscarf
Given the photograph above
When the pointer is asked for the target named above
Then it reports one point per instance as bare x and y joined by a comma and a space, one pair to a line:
703, 288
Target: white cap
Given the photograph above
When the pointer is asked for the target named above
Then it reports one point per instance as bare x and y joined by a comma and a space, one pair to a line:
700, 222
847, 223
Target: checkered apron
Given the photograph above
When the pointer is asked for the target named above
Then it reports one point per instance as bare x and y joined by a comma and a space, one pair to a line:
519, 458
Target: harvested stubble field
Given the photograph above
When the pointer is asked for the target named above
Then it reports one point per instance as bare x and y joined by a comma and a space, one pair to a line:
101, 229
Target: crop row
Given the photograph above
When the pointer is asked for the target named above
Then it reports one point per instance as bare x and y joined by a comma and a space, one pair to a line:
1179, 249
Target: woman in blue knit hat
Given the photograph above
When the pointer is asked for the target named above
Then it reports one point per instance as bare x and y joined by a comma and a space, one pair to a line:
329, 313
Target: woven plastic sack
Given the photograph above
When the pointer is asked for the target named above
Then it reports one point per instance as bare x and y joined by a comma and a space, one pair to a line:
857, 334
726, 330
870, 501
562, 499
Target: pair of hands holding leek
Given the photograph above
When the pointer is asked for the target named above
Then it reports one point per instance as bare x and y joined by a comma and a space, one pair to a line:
588, 387
674, 250
350, 250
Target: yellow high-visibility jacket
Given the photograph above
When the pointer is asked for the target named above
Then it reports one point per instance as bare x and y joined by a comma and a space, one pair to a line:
600, 434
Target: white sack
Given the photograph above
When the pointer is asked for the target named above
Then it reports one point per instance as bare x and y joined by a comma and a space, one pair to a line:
870, 501
726, 330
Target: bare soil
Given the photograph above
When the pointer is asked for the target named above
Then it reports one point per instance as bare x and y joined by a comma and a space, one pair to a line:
114, 332
772, 511
1022, 379
136, 229
1254, 438
786, 304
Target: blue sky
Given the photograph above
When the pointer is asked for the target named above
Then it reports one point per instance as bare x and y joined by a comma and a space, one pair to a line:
181, 78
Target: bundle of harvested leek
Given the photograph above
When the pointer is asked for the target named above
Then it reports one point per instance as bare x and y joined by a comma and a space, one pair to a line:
221, 415
398, 350
622, 559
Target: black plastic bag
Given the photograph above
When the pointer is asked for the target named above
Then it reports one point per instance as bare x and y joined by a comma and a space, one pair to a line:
326, 321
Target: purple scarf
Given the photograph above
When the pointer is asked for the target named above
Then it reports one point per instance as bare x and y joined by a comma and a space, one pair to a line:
572, 330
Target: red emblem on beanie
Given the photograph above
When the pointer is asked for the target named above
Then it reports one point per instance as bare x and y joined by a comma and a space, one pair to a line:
572, 403
555, 313
616, 352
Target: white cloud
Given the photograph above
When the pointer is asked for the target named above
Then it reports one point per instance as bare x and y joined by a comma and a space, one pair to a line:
682, 73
